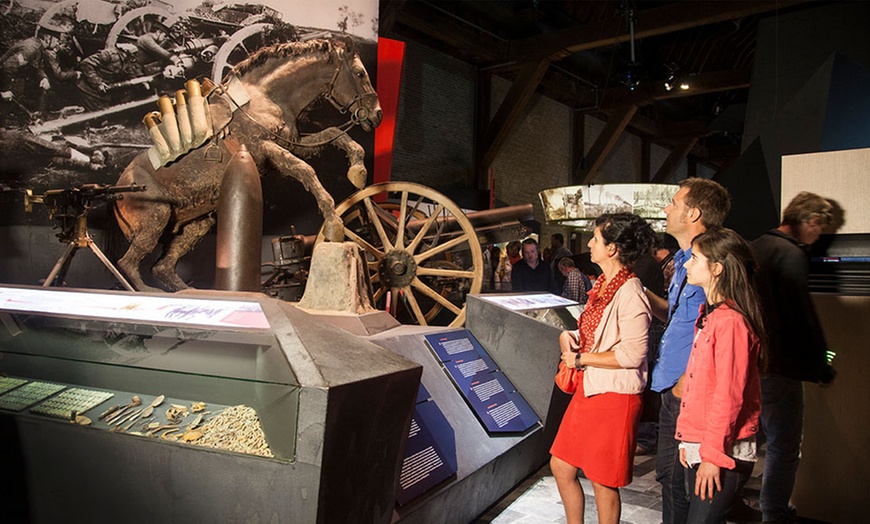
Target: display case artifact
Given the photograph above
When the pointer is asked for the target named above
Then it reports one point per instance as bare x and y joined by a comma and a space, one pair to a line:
188, 371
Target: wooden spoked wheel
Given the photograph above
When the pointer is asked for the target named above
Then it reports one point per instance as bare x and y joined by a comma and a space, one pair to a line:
135, 23
422, 253
240, 46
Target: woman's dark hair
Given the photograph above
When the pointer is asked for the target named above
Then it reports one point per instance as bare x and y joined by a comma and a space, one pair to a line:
631, 234
735, 284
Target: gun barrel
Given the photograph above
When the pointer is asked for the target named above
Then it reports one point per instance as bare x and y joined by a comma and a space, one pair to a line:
133, 188
484, 219
134, 81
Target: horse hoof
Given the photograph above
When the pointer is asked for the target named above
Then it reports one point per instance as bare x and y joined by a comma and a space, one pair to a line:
333, 230
357, 176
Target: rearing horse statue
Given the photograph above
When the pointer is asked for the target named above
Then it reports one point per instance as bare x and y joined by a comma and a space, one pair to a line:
280, 81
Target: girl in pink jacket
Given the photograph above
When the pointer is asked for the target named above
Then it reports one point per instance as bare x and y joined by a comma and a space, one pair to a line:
722, 390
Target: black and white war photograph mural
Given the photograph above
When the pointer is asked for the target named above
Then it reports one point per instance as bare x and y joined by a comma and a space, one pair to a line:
99, 98
580, 205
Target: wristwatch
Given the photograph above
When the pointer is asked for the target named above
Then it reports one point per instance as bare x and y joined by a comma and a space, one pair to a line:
577, 364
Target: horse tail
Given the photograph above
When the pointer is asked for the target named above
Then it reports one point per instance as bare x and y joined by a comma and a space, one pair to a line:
120, 218
114, 237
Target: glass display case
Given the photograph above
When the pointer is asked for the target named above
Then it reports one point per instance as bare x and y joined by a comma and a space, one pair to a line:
187, 371
551, 309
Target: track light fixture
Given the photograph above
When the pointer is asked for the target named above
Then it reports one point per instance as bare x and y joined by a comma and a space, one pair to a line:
632, 72
632, 76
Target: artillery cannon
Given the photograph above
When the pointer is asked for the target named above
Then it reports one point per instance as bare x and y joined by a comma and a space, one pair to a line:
423, 253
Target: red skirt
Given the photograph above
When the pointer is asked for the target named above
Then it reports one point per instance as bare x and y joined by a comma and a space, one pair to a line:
598, 435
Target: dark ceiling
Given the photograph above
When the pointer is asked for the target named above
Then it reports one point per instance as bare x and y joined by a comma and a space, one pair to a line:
580, 53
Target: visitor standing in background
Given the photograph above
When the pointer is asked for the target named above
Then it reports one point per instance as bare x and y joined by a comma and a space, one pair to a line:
558, 251
577, 285
796, 343
531, 273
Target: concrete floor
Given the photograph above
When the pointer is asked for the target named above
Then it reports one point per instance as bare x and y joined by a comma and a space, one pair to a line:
536, 499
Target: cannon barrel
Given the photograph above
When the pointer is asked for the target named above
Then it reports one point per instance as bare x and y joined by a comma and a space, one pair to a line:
494, 225
195, 44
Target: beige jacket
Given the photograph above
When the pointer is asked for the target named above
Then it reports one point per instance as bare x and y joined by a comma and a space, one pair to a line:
623, 329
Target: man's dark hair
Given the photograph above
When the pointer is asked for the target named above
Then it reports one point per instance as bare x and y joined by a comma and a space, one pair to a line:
559, 237
710, 198
804, 207
530, 241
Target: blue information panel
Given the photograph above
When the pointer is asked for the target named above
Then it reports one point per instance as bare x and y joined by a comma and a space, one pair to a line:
430, 453
491, 395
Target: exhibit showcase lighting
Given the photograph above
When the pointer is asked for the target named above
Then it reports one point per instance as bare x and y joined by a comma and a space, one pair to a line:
579, 206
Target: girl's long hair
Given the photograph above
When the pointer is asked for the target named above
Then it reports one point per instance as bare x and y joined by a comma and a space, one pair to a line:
736, 283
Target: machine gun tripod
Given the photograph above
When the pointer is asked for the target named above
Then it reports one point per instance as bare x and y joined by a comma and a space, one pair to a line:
70, 208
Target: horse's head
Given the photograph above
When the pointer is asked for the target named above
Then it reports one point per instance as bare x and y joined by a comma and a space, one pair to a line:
350, 90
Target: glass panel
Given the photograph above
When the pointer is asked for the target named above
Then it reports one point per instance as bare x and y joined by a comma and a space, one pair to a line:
232, 390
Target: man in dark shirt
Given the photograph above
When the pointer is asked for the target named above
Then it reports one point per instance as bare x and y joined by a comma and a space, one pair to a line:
531, 273
796, 344
22, 73
104, 69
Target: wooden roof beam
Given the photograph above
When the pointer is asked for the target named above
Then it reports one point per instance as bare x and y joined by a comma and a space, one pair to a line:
513, 105
650, 22
605, 142
670, 165
439, 26
389, 11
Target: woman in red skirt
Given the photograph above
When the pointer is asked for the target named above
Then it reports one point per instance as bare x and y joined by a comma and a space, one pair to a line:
598, 433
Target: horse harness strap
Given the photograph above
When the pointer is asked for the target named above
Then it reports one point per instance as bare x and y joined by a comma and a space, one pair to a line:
232, 144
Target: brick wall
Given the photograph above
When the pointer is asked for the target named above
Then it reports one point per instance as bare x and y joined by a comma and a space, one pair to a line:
434, 142
435, 138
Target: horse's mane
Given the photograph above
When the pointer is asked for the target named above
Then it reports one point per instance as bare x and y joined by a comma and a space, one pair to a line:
287, 49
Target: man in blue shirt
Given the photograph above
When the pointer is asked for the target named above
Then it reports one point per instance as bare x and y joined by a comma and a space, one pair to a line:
698, 205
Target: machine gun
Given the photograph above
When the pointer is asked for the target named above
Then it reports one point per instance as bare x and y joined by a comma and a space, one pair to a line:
70, 208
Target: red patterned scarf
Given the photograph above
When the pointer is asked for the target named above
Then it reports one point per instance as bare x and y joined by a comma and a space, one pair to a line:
597, 303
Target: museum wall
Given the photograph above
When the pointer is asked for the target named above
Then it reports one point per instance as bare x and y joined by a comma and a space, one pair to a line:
790, 50
435, 135
808, 95
434, 142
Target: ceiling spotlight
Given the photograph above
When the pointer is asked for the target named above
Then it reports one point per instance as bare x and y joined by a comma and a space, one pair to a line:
632, 72
683, 85
671, 81
632, 76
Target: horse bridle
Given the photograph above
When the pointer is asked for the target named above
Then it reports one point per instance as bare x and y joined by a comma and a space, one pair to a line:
361, 113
